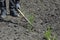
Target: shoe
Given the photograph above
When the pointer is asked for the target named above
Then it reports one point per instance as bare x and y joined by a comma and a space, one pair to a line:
3, 13
14, 13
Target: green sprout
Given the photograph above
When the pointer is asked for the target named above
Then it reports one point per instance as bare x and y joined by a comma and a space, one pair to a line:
48, 35
31, 18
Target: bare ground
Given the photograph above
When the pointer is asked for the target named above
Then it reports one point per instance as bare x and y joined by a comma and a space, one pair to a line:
46, 12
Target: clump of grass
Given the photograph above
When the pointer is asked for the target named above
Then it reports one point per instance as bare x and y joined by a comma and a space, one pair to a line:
30, 20
48, 36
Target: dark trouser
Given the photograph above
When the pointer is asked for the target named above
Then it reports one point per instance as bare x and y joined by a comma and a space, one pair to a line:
12, 4
2, 6
3, 3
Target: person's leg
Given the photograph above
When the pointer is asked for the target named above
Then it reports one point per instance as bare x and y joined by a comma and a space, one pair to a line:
13, 11
3, 8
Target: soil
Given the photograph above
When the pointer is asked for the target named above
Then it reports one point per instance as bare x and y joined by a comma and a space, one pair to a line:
46, 13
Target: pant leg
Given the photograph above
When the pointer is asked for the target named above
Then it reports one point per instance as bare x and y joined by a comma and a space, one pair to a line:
17, 1
13, 10
2, 3
12, 7
11, 3
3, 8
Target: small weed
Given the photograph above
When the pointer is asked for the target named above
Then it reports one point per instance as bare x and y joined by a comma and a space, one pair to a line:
48, 36
31, 18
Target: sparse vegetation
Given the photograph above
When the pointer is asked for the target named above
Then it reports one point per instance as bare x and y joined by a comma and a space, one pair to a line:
30, 20
48, 36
